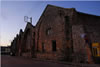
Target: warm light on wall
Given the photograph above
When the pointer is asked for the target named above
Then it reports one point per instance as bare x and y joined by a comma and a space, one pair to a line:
96, 49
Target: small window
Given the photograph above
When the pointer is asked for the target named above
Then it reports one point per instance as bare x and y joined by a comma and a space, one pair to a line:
43, 49
48, 31
54, 45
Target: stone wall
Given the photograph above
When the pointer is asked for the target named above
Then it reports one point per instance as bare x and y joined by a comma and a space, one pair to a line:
53, 18
28, 45
79, 43
65, 28
91, 24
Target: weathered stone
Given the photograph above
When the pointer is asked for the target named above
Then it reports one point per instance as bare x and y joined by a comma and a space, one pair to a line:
60, 33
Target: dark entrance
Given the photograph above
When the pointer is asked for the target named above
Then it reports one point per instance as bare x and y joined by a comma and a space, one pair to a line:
53, 45
43, 50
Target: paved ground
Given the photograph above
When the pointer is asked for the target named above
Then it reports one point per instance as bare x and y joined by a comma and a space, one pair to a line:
12, 61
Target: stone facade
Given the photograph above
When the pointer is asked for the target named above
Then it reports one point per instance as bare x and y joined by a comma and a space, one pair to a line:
60, 35
28, 41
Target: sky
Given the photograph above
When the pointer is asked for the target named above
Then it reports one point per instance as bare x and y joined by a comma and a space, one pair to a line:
13, 12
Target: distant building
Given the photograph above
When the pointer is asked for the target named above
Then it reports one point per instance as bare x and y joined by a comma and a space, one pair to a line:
60, 34
5, 50
28, 41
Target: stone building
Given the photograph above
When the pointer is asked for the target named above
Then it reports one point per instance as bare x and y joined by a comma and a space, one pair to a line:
61, 34
28, 41
24, 43
14, 47
19, 42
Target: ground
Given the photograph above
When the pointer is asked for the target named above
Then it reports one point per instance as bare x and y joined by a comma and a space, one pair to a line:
13, 61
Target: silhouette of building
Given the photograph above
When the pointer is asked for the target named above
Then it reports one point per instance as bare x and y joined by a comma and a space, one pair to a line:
5, 50
60, 34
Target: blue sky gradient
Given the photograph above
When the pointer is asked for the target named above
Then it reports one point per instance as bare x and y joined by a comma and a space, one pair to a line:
13, 12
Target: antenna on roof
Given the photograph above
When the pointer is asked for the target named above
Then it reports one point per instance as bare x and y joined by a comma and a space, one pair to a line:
28, 19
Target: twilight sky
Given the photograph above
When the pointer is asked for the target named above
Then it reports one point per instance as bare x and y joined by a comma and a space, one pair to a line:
13, 12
